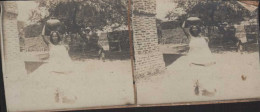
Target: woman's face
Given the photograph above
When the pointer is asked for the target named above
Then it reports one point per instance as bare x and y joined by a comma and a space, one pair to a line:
55, 37
195, 31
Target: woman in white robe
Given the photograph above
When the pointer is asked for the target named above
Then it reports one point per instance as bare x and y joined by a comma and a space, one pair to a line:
199, 52
59, 59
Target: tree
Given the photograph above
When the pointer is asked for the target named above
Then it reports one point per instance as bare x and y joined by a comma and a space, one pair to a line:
76, 14
211, 12
216, 12
186, 6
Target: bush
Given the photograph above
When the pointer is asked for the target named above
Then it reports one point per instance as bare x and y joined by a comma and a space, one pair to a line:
33, 30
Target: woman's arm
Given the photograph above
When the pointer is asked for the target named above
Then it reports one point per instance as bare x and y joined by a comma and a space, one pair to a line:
43, 36
45, 40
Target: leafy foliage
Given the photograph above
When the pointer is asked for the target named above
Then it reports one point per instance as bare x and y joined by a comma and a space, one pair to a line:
33, 30
76, 14
212, 12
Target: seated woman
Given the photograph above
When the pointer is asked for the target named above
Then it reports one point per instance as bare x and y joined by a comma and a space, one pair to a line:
199, 52
58, 53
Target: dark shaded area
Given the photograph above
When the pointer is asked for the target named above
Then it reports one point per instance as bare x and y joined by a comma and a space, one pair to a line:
170, 58
117, 55
170, 25
258, 30
33, 30
2, 90
230, 107
248, 47
118, 40
32, 66
77, 55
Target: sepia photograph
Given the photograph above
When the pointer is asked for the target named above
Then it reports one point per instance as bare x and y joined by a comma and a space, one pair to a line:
96, 54
195, 50
65, 54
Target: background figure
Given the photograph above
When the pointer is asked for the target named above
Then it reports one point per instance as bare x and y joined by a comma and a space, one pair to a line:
230, 35
93, 41
91, 44
84, 34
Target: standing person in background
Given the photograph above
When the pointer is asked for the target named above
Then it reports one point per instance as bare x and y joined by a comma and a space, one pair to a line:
91, 38
84, 34
93, 41
95, 46
231, 36
68, 41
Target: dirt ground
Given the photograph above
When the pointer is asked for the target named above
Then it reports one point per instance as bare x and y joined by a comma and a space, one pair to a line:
234, 76
88, 83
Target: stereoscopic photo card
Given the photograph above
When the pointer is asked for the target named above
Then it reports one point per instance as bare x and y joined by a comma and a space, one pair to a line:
66, 54
97, 54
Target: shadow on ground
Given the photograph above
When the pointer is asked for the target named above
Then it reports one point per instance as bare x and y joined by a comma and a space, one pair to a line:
170, 58
109, 55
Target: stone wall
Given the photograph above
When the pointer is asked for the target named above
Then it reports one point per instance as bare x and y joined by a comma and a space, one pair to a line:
148, 59
14, 64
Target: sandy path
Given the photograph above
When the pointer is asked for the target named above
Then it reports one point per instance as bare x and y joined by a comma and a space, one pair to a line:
91, 83
218, 82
